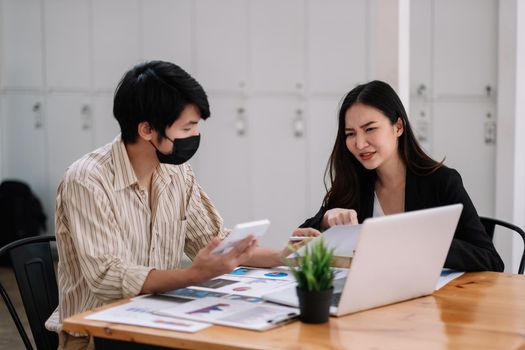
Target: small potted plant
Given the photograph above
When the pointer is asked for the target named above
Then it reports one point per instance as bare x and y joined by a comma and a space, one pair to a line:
315, 277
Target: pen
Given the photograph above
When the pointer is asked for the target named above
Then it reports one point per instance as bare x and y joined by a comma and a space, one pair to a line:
282, 318
299, 238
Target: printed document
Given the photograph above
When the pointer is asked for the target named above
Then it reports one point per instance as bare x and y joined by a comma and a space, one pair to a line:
141, 311
341, 238
235, 313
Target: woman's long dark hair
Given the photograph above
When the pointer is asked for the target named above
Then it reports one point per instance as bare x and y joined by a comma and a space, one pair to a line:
347, 175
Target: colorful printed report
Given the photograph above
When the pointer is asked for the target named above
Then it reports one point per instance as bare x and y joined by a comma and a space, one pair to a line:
235, 313
243, 283
142, 311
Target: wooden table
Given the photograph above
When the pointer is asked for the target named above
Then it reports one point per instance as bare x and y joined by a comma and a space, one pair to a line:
484, 310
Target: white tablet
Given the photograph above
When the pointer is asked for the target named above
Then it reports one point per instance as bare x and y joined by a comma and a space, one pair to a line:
240, 232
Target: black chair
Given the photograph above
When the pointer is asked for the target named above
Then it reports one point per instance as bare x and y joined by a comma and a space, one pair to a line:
33, 266
490, 225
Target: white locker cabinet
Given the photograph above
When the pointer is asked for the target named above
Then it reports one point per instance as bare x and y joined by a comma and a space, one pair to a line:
464, 133
166, 32
116, 40
465, 47
105, 126
453, 88
24, 139
70, 133
337, 50
69, 136
420, 49
278, 163
222, 163
322, 131
421, 121
277, 45
67, 44
21, 39
221, 41
260, 62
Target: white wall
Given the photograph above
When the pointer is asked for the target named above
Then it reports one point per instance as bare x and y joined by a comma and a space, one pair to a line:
1, 142
390, 46
510, 155
519, 197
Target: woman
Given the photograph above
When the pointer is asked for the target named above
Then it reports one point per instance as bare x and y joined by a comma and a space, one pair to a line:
378, 168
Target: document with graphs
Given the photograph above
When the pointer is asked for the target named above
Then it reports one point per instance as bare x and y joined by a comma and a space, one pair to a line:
234, 313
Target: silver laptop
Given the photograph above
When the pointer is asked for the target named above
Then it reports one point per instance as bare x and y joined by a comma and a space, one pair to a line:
397, 257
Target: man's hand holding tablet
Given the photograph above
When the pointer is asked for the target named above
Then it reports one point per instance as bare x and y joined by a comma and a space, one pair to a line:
240, 232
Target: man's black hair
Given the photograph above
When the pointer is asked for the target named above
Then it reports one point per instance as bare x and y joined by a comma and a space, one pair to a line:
156, 92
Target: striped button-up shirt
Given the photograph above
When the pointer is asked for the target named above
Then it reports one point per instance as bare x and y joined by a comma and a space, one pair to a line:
109, 237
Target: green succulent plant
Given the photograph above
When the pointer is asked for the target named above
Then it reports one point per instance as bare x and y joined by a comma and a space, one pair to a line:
314, 270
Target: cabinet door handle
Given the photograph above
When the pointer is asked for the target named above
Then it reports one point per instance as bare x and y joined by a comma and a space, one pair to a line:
86, 120
421, 89
39, 119
240, 122
489, 130
298, 124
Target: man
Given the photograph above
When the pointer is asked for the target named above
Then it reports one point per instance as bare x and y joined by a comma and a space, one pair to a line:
126, 212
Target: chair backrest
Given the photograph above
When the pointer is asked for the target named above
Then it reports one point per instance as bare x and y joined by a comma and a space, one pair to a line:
21, 212
490, 225
33, 266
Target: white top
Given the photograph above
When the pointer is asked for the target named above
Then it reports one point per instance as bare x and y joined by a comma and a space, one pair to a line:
378, 211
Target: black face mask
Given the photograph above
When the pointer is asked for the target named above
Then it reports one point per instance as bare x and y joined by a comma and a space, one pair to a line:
182, 151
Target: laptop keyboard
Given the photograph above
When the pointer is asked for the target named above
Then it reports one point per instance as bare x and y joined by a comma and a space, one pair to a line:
335, 299
338, 291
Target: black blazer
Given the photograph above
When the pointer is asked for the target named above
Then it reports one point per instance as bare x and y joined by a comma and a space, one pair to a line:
471, 249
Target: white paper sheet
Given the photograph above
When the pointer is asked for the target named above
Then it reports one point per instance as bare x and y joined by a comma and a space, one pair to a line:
342, 238
233, 313
278, 273
446, 276
141, 312
243, 283
251, 287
